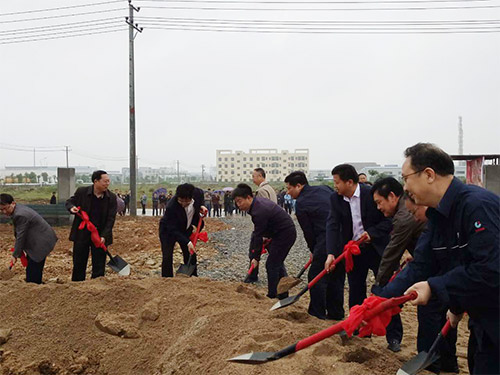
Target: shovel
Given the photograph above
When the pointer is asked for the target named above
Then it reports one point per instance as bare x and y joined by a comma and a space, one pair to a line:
116, 262
188, 269
252, 267
424, 359
261, 357
289, 300
288, 282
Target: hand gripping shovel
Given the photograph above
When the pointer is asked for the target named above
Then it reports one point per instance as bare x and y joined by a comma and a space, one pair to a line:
116, 263
261, 357
288, 282
423, 359
252, 267
189, 268
292, 299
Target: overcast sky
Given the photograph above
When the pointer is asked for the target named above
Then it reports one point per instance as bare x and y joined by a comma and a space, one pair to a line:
345, 97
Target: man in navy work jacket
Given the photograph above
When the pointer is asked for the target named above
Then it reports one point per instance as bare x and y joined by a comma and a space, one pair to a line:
180, 219
462, 240
272, 222
312, 209
353, 214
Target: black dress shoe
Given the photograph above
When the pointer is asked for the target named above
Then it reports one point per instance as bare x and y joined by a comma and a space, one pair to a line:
394, 346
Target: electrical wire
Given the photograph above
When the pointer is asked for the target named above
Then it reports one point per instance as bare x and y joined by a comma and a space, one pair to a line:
61, 8
64, 36
64, 15
37, 30
89, 28
61, 24
322, 9
315, 2
343, 31
145, 20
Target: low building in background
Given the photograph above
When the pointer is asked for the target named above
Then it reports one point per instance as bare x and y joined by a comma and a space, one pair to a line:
237, 166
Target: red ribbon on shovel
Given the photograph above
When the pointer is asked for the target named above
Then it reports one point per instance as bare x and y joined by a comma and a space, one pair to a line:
24, 259
376, 324
203, 236
94, 233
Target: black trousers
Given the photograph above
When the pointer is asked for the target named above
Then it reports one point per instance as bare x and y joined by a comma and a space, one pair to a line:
431, 318
167, 250
482, 353
34, 271
81, 256
143, 208
394, 330
368, 259
278, 250
324, 303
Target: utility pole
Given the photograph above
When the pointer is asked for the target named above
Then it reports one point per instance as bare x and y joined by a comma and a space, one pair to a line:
67, 158
460, 137
34, 162
178, 174
132, 156
203, 172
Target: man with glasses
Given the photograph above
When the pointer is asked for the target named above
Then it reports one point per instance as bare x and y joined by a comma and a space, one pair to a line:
101, 206
457, 258
33, 235
181, 218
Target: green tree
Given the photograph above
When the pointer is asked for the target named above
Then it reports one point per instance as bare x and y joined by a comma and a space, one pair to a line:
45, 177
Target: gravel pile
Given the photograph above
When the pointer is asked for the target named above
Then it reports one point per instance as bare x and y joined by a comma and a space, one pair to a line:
231, 262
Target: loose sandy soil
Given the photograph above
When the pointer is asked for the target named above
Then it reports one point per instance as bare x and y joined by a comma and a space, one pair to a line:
143, 324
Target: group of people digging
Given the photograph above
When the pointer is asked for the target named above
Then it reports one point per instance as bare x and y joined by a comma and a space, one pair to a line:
450, 229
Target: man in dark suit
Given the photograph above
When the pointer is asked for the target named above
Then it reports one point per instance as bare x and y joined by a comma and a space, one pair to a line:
312, 209
100, 204
353, 214
33, 236
270, 221
179, 221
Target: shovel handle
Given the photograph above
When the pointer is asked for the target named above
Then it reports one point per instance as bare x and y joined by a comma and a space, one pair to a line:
337, 328
324, 272
306, 266
446, 328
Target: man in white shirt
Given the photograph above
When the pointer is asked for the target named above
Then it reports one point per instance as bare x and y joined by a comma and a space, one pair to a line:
354, 214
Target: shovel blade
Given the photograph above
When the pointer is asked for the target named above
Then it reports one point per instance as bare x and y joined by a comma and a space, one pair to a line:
253, 358
119, 265
186, 270
286, 283
418, 363
285, 302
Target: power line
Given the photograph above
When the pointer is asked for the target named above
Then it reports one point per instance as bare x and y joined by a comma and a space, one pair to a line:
76, 28
150, 20
98, 20
316, 2
322, 9
68, 32
65, 15
60, 8
64, 36
343, 31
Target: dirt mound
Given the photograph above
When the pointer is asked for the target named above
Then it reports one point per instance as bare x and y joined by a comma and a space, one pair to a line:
144, 324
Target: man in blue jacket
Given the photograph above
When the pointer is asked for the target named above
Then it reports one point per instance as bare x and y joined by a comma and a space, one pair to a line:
456, 259
270, 221
181, 217
353, 214
312, 209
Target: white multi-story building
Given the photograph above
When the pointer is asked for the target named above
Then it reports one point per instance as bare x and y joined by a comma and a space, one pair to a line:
237, 166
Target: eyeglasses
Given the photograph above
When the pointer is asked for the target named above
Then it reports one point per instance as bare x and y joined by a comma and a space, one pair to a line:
405, 177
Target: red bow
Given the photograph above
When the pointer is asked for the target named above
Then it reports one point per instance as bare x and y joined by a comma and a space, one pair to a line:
350, 249
24, 260
94, 234
203, 236
375, 324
